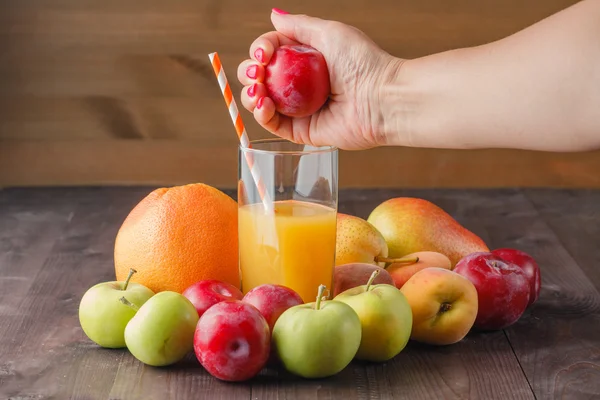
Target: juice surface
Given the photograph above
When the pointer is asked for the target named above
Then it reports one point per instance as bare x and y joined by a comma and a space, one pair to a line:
294, 246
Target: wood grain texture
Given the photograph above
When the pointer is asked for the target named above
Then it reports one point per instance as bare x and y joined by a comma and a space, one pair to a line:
76, 74
45, 350
556, 341
28, 231
419, 372
185, 380
575, 219
55, 243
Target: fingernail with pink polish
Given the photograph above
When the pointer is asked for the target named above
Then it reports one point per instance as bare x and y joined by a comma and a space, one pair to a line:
252, 71
259, 54
279, 11
260, 102
252, 90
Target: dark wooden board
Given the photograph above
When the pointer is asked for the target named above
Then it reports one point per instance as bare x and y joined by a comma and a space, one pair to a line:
557, 340
574, 216
56, 243
28, 230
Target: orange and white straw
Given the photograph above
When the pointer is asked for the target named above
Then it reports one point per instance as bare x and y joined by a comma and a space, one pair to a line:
239, 127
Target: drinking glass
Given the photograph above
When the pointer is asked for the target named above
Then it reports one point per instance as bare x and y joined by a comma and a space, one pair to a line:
287, 236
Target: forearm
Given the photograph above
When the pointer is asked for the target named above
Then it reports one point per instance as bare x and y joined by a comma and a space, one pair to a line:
538, 89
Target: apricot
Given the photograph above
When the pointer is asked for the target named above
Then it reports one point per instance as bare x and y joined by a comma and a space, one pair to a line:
401, 273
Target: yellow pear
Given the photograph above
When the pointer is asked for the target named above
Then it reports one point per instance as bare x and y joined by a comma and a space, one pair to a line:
360, 242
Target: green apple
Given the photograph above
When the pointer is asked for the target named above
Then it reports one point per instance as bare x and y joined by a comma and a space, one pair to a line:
318, 339
103, 317
162, 331
385, 316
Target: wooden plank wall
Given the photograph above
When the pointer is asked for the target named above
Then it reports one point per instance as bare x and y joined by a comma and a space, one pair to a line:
121, 92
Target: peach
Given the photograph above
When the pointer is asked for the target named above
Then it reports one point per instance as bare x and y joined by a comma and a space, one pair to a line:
444, 305
297, 80
402, 272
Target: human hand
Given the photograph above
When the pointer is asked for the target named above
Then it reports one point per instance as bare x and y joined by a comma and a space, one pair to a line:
353, 118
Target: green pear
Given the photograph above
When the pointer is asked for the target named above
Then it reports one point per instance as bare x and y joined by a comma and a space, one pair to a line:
385, 316
411, 225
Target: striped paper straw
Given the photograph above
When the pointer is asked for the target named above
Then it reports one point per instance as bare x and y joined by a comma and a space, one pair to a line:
239, 127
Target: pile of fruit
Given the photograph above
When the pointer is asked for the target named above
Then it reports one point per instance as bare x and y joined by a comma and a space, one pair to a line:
408, 272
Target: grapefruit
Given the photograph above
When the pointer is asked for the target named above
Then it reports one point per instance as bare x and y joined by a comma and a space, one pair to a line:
177, 236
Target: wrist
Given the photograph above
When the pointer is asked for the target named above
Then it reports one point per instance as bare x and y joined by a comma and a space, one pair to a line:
397, 110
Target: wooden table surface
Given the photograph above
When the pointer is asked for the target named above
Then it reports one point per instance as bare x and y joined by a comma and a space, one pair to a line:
56, 243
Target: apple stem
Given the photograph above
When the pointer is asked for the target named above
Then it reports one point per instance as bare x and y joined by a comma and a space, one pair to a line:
401, 260
131, 272
371, 279
128, 303
445, 307
320, 296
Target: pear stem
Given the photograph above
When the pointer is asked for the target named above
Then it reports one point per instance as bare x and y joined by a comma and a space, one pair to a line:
320, 296
128, 303
401, 260
371, 279
131, 272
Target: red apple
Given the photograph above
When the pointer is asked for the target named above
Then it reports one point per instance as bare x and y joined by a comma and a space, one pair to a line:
297, 80
529, 267
232, 341
272, 301
205, 294
502, 289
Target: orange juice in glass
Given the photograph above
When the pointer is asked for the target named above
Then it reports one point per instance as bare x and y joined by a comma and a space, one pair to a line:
291, 242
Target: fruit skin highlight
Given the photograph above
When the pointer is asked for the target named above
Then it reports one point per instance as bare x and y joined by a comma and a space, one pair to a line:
232, 341
502, 289
411, 224
207, 293
297, 80
528, 265
177, 236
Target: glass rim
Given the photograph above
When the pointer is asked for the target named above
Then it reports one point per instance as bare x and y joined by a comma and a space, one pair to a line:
315, 150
